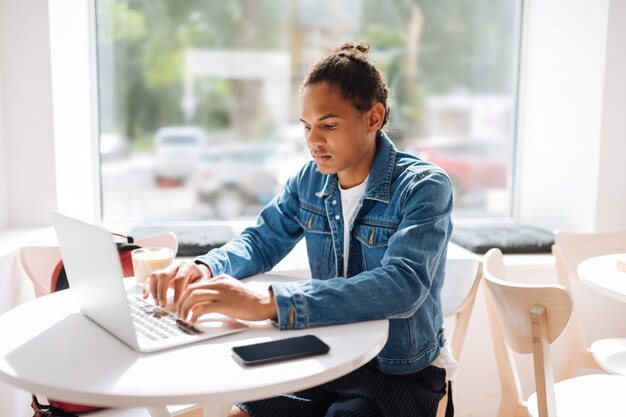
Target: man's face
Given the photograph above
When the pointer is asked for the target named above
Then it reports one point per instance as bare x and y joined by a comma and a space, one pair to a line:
341, 140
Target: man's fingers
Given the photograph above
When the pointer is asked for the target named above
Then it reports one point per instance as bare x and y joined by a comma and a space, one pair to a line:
162, 280
184, 274
187, 274
200, 309
154, 279
193, 297
153, 282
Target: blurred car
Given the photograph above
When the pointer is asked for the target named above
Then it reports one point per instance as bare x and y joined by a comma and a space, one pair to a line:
177, 153
471, 165
235, 178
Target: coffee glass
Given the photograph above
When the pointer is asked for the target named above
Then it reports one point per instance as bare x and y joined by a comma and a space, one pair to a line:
147, 260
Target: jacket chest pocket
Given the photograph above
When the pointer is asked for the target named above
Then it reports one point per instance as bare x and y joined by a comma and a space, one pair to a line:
318, 242
373, 241
312, 222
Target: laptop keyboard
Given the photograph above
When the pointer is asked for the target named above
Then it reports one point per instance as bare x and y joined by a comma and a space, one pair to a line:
156, 323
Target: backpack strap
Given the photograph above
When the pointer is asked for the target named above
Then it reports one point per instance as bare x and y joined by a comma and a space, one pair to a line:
129, 239
59, 278
47, 410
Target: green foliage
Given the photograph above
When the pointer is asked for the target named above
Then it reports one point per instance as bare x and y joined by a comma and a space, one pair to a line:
129, 25
463, 45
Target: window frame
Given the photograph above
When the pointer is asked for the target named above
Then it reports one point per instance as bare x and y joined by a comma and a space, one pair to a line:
79, 190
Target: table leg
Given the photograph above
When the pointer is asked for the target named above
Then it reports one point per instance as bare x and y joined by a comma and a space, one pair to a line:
159, 412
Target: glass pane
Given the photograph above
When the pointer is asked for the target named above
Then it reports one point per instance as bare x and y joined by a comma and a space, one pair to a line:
199, 100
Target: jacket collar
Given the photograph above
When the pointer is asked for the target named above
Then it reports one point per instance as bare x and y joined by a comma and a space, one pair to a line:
379, 183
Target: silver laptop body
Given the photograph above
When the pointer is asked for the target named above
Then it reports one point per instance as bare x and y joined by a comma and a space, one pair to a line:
94, 272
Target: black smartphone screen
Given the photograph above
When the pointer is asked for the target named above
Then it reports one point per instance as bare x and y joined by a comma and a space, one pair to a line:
277, 350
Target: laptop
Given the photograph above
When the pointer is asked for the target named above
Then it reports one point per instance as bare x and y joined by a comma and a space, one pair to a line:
94, 272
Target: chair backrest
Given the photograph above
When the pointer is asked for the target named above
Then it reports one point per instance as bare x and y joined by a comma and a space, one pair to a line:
458, 295
569, 250
457, 300
525, 318
164, 240
39, 262
572, 248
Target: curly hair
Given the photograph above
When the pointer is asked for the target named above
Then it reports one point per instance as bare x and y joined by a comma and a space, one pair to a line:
358, 80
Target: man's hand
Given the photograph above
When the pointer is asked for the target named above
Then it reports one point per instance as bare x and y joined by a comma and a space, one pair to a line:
226, 295
178, 275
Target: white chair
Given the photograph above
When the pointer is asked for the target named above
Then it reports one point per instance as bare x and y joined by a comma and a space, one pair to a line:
569, 250
527, 319
164, 240
39, 263
457, 299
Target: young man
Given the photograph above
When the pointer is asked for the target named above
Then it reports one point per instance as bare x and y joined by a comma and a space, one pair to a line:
376, 223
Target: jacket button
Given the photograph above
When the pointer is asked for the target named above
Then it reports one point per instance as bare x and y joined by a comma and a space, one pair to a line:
334, 202
337, 217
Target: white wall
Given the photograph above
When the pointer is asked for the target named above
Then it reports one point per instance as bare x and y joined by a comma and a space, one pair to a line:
572, 126
611, 196
74, 88
45, 60
27, 112
4, 217
27, 166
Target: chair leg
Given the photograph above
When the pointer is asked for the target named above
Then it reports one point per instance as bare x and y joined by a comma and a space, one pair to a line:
521, 411
576, 357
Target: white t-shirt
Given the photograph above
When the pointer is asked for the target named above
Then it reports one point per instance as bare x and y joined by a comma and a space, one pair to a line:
350, 200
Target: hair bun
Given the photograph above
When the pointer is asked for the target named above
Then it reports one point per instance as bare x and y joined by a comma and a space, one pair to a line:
346, 49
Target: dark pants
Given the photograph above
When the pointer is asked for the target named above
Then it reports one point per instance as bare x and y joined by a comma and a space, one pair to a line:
366, 392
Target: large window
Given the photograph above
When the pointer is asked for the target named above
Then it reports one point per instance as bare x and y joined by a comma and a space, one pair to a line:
199, 105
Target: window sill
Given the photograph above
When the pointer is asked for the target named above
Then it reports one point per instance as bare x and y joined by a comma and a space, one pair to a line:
14, 238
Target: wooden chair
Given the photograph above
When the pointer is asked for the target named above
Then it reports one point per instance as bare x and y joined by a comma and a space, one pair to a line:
569, 250
457, 298
39, 262
527, 319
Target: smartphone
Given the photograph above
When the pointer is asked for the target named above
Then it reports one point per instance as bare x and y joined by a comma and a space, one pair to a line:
278, 350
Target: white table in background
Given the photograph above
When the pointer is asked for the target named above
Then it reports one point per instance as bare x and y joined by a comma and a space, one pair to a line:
50, 348
601, 274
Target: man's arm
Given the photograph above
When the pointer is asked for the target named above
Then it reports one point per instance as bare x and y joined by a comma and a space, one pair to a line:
259, 248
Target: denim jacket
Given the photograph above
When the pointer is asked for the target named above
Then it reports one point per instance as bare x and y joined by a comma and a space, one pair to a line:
398, 244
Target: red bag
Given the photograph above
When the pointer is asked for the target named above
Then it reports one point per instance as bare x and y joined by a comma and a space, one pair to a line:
59, 277
57, 283
49, 410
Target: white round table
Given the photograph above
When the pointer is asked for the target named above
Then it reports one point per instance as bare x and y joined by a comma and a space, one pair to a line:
601, 274
50, 348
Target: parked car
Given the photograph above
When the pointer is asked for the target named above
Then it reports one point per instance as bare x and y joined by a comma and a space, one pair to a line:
177, 153
471, 165
235, 178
